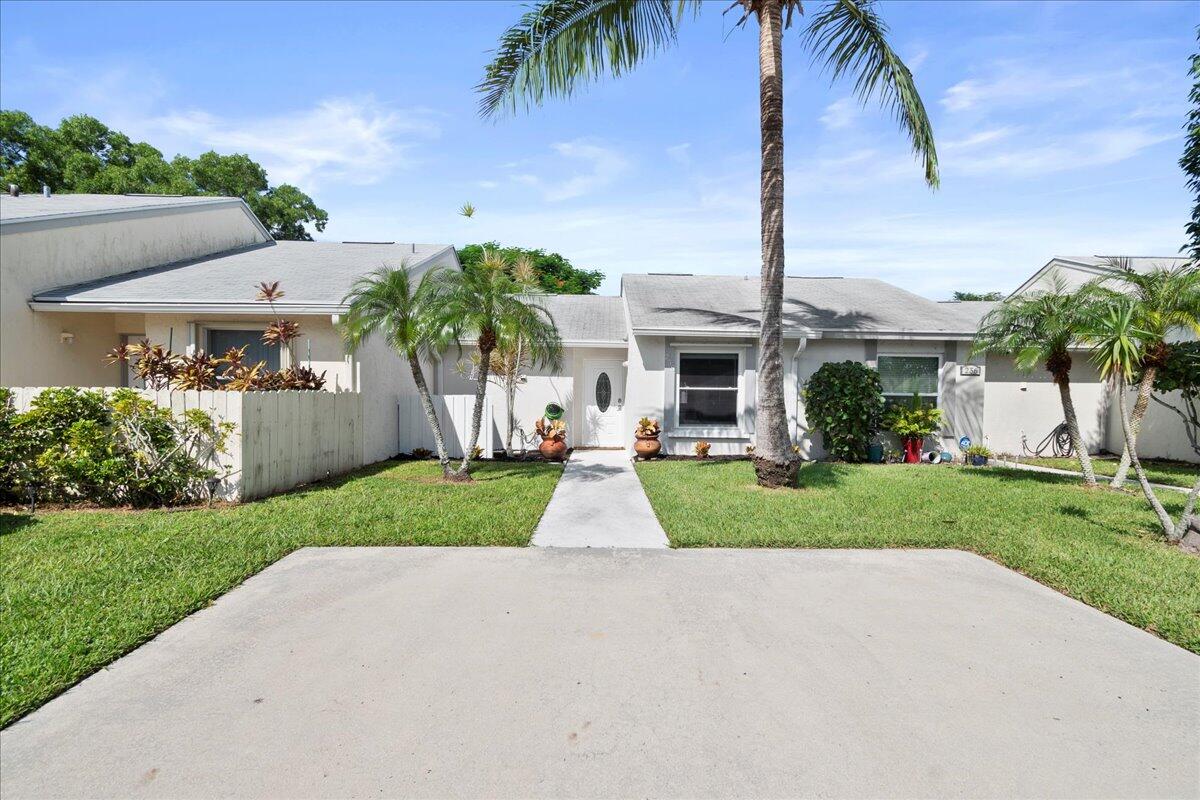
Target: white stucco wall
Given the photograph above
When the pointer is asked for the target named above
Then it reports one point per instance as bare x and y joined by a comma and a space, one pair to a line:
1017, 403
542, 386
36, 258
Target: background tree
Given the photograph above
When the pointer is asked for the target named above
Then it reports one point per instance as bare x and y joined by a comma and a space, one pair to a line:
84, 155
963, 297
484, 301
559, 45
554, 273
1164, 301
1180, 372
1190, 161
404, 310
1041, 328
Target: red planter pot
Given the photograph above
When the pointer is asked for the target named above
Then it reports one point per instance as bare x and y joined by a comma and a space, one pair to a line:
912, 450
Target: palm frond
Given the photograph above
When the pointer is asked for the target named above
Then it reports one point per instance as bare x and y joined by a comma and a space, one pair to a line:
849, 37
559, 45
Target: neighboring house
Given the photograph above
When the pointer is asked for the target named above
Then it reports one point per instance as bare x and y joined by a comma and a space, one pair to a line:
82, 273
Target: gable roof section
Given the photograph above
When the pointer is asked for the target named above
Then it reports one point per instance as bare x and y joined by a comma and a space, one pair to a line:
35, 212
1081, 269
315, 276
833, 307
587, 319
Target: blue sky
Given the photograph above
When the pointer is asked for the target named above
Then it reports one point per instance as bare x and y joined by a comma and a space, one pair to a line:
1058, 125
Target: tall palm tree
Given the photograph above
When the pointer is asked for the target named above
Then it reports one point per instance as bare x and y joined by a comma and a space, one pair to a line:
1120, 349
1042, 328
559, 45
1165, 300
485, 302
405, 311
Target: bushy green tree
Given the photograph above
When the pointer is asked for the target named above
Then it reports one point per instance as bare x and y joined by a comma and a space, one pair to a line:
962, 297
844, 401
555, 274
84, 155
1190, 161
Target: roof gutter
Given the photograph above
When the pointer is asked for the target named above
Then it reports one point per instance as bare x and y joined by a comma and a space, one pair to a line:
80, 306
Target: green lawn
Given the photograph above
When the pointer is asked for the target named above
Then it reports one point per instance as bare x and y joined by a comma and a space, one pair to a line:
1096, 545
1170, 473
79, 589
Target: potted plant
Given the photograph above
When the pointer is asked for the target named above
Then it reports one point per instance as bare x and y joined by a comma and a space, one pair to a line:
978, 455
912, 423
554, 438
702, 447
647, 444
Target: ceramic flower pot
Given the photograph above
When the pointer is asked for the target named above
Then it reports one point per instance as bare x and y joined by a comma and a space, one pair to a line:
912, 450
979, 461
553, 449
647, 446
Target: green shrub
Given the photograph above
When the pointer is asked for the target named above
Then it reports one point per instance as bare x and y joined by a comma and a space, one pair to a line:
844, 401
76, 445
916, 420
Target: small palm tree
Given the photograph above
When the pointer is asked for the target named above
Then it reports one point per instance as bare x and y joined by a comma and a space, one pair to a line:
1164, 301
1041, 328
485, 302
1120, 350
559, 45
405, 311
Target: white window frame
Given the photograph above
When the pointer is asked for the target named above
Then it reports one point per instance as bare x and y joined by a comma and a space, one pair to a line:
937, 396
711, 430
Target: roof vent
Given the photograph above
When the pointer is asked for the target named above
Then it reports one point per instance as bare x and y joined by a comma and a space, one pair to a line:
14, 190
45, 190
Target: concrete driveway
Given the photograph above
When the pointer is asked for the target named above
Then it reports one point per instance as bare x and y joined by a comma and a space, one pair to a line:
619, 673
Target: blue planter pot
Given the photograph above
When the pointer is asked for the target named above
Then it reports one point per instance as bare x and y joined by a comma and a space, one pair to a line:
979, 461
875, 453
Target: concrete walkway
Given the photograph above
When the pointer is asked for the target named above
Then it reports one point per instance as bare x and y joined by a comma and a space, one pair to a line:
524, 672
599, 502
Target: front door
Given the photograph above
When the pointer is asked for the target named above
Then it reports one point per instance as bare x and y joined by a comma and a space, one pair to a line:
604, 396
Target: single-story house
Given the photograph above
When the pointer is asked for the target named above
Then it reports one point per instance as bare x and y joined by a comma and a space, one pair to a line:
84, 273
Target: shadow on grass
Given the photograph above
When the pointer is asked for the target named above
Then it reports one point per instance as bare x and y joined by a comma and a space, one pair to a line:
11, 522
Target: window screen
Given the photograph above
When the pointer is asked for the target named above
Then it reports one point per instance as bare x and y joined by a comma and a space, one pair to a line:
221, 340
904, 376
708, 393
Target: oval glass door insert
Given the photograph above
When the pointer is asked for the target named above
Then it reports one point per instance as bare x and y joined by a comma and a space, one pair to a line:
603, 392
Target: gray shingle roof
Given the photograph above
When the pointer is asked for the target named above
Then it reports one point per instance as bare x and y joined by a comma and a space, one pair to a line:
314, 275
586, 317
1138, 263
28, 206
730, 305
967, 313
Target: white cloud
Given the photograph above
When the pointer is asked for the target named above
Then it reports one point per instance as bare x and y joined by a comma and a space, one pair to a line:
487, 184
680, 153
347, 140
603, 165
840, 114
1020, 84
1040, 156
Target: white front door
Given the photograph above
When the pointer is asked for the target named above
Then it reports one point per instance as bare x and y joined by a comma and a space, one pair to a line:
604, 396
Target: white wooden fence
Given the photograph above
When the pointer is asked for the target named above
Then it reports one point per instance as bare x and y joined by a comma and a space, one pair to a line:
454, 416
280, 439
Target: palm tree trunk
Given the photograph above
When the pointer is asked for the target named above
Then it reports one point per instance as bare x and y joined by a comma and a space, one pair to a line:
1189, 509
1085, 460
485, 358
1164, 519
510, 390
1135, 422
774, 461
418, 374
